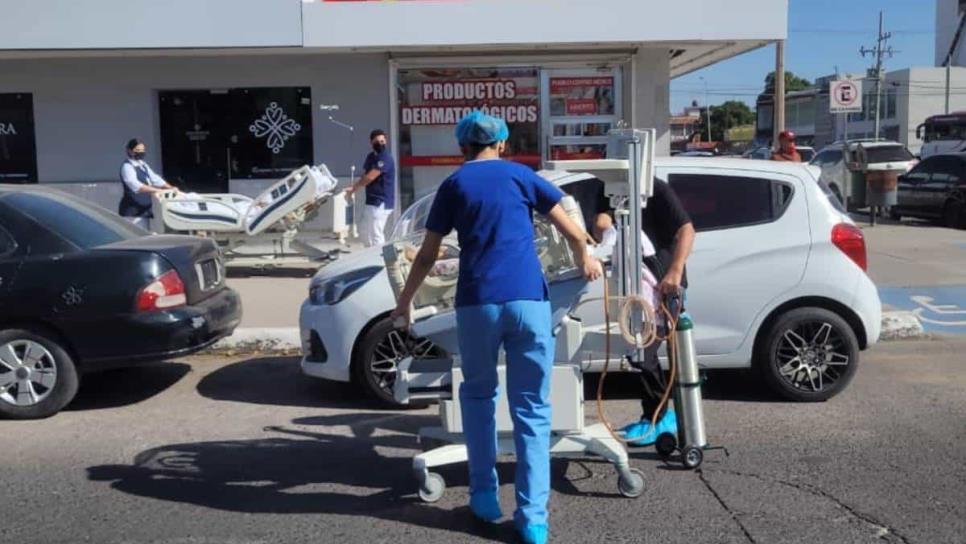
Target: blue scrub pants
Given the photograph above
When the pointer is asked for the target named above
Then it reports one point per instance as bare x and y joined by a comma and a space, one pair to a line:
524, 330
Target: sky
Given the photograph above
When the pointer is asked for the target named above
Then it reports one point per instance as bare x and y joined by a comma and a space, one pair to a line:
822, 35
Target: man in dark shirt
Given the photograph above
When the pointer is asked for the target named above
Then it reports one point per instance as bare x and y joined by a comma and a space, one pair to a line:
667, 225
379, 179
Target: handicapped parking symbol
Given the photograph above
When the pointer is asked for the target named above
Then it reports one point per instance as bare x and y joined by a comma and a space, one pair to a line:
951, 314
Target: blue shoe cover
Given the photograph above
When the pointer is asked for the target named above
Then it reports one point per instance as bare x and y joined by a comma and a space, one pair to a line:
642, 430
485, 506
534, 533
668, 424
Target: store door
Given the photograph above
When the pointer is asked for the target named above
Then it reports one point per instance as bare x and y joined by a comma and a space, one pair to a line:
579, 107
18, 151
194, 139
210, 137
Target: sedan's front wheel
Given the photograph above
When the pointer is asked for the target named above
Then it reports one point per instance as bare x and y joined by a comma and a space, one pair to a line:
379, 354
808, 355
37, 376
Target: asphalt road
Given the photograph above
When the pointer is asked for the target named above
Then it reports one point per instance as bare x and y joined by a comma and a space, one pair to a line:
213, 450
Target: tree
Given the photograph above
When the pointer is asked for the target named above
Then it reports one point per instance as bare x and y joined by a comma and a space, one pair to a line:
792, 83
730, 114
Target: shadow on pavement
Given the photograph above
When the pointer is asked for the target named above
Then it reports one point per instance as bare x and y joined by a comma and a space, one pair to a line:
277, 381
299, 471
723, 385
126, 386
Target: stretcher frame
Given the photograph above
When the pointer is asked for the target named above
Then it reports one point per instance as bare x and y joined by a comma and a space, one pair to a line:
271, 237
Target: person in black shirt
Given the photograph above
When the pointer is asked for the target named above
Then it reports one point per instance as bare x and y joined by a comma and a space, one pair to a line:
669, 228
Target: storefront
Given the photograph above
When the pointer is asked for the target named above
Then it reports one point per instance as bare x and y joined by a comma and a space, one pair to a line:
553, 113
233, 96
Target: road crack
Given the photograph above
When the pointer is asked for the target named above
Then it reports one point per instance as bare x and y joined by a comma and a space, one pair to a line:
732, 513
883, 530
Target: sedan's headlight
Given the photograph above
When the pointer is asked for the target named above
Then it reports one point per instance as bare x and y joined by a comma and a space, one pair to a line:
335, 290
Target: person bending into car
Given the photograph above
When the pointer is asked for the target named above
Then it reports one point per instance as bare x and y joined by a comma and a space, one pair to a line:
501, 300
669, 228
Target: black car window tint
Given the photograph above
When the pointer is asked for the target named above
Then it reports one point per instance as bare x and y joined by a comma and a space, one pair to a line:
922, 171
719, 202
7, 243
946, 170
893, 153
84, 228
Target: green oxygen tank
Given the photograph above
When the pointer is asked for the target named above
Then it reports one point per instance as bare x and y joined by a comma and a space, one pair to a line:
688, 388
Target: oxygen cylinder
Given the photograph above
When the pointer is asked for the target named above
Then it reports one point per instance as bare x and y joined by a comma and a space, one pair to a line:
688, 399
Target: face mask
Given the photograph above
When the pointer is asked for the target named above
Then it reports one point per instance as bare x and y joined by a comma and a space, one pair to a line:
138, 156
378, 147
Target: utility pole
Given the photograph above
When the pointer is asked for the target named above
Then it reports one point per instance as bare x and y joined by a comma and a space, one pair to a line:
779, 99
879, 51
707, 106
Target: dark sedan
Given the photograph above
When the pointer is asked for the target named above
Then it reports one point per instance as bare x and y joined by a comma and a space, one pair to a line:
935, 189
83, 290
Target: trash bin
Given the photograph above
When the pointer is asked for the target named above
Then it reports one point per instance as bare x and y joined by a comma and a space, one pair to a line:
882, 187
856, 187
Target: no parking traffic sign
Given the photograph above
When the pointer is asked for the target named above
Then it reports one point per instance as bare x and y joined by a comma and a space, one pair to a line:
845, 96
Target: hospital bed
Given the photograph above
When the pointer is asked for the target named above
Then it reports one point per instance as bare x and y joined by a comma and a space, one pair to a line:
262, 230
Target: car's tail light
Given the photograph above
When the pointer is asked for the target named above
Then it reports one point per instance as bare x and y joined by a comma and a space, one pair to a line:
166, 291
851, 241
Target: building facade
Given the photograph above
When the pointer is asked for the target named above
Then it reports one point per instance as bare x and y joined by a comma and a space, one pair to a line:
229, 95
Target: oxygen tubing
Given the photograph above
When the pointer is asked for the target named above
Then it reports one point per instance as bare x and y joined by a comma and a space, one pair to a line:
649, 335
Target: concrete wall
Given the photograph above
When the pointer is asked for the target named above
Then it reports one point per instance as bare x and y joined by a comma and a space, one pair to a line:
86, 109
511, 22
140, 24
947, 21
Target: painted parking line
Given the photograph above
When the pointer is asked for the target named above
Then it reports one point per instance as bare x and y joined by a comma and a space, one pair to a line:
941, 309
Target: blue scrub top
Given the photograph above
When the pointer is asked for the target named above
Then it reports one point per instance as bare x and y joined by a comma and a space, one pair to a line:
383, 189
490, 203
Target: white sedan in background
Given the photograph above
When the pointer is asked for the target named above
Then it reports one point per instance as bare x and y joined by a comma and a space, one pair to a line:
777, 282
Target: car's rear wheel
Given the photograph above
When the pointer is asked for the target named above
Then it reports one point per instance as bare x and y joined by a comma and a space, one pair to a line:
954, 214
37, 376
379, 354
808, 355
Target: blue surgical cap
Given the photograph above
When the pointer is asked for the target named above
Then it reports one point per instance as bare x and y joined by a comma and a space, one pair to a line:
482, 129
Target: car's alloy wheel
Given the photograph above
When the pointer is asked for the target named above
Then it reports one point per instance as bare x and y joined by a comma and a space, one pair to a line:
810, 354
383, 349
28, 373
37, 376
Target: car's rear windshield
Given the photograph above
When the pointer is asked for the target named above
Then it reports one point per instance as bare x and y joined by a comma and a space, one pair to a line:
887, 153
830, 195
81, 224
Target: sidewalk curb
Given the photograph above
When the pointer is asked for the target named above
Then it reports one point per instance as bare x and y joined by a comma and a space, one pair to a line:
896, 325
901, 325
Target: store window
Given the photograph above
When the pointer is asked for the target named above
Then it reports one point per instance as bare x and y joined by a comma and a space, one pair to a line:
433, 100
209, 137
583, 108
18, 150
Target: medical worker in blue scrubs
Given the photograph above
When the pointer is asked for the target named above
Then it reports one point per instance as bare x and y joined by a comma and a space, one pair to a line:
501, 300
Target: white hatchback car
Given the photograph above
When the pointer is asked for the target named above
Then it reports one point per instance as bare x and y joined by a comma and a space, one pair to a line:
777, 282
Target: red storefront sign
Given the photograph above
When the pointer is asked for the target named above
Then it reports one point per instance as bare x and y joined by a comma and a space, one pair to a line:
561, 85
456, 160
581, 106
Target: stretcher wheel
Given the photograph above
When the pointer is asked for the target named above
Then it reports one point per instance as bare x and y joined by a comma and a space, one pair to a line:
432, 487
692, 457
631, 486
665, 445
